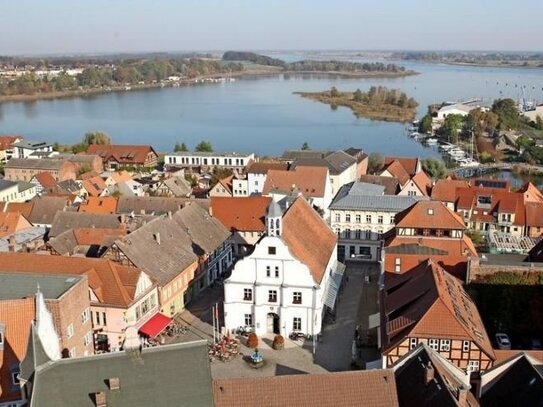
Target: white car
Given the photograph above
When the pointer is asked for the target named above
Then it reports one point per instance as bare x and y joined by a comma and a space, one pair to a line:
503, 342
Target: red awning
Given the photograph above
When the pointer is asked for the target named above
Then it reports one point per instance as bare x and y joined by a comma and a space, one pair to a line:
155, 325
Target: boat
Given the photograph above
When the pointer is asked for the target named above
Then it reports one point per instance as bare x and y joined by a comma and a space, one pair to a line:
415, 134
431, 141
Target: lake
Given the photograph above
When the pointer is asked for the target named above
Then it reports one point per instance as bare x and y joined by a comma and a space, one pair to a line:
260, 114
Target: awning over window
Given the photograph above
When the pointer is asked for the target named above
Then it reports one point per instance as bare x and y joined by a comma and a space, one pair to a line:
334, 283
155, 325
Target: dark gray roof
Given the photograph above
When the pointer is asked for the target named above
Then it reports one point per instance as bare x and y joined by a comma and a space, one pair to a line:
274, 210
70, 220
36, 163
170, 375
79, 158
154, 205
391, 184
30, 144
339, 162
27, 235
351, 197
292, 155
23, 186
178, 186
45, 208
21, 285
69, 186
4, 184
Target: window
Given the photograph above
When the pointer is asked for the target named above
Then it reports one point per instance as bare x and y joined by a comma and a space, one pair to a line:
104, 322
297, 297
271, 250
397, 265
247, 294
276, 271
87, 339
411, 193
15, 377
338, 217
97, 318
70, 331
85, 316
445, 345
433, 343
358, 218
380, 219
248, 319
272, 296
466, 346
297, 324
473, 366
413, 343
348, 217
358, 234
368, 218
391, 219
268, 271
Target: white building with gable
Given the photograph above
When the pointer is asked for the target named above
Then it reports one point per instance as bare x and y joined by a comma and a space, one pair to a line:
290, 279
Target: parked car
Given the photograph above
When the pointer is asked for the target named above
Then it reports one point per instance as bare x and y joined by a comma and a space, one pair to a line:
502, 340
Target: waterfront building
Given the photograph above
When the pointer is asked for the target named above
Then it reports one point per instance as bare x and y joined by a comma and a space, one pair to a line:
35, 149
201, 162
116, 156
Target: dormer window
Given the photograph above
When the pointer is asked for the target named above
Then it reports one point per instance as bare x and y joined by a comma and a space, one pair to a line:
272, 250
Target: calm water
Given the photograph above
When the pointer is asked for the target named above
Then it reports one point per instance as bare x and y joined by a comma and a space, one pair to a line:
259, 114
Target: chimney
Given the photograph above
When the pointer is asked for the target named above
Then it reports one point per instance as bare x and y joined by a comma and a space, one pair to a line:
123, 218
428, 373
210, 210
114, 383
100, 399
169, 214
11, 243
157, 237
462, 395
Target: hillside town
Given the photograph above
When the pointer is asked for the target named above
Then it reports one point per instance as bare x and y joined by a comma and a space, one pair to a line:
129, 277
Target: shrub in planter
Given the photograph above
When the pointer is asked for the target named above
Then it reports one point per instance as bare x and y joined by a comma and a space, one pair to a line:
252, 340
278, 342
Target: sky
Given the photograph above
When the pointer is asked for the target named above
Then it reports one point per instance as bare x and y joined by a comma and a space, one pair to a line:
105, 26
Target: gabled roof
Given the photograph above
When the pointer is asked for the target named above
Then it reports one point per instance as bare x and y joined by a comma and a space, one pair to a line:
22, 207
310, 181
423, 182
111, 283
178, 186
83, 240
292, 155
443, 390
397, 171
89, 175
391, 184
46, 180
11, 222
445, 189
6, 141
100, 205
45, 208
531, 193
429, 214
428, 302
71, 220
45, 164
337, 162
534, 214
243, 214
94, 186
374, 388
123, 154
154, 204
226, 183
301, 221
264, 167
409, 164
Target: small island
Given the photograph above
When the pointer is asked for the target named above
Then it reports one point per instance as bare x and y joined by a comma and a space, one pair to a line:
379, 103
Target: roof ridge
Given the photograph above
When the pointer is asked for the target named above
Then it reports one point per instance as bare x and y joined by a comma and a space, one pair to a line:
120, 284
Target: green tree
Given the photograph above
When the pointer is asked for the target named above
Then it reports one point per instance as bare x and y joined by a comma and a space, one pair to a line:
218, 174
508, 114
375, 162
96, 137
476, 237
451, 126
180, 147
305, 146
485, 157
358, 96
434, 168
425, 124
204, 146
334, 92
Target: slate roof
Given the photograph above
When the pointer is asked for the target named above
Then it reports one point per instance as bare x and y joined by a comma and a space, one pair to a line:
46, 164
376, 388
301, 221
155, 205
243, 214
336, 162
64, 221
391, 184
21, 285
442, 391
45, 208
150, 378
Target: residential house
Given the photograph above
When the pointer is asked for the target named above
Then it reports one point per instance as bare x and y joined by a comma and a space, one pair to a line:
83, 162
6, 147
37, 149
244, 217
184, 252
290, 279
99, 205
427, 305
112, 178
133, 377
44, 182
223, 188
312, 182
174, 186
127, 188
200, 162
116, 156
290, 156
26, 240
120, 296
88, 242
428, 230
44, 209
361, 160
444, 190
24, 169
376, 388
13, 191
64, 221
412, 180
94, 187
12, 222
257, 173
361, 214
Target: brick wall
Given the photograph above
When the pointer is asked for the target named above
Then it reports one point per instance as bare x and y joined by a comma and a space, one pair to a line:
479, 271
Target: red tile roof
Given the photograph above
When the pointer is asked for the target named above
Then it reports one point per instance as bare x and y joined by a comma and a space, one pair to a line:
423, 182
397, 171
376, 388
243, 214
123, 154
99, 204
308, 237
429, 214
445, 189
534, 214
11, 222
7, 140
111, 283
46, 180
25, 208
94, 186
96, 236
310, 181
408, 164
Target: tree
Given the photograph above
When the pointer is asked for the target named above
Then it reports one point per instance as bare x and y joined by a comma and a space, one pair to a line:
375, 162
485, 157
434, 168
180, 147
508, 114
425, 124
204, 146
451, 126
334, 92
218, 174
305, 146
358, 96
83, 169
476, 237
96, 137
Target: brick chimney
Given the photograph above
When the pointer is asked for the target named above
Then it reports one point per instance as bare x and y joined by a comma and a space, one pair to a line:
428, 373
462, 395
11, 243
100, 399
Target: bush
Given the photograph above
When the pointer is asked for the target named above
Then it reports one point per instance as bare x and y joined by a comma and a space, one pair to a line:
278, 342
252, 340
